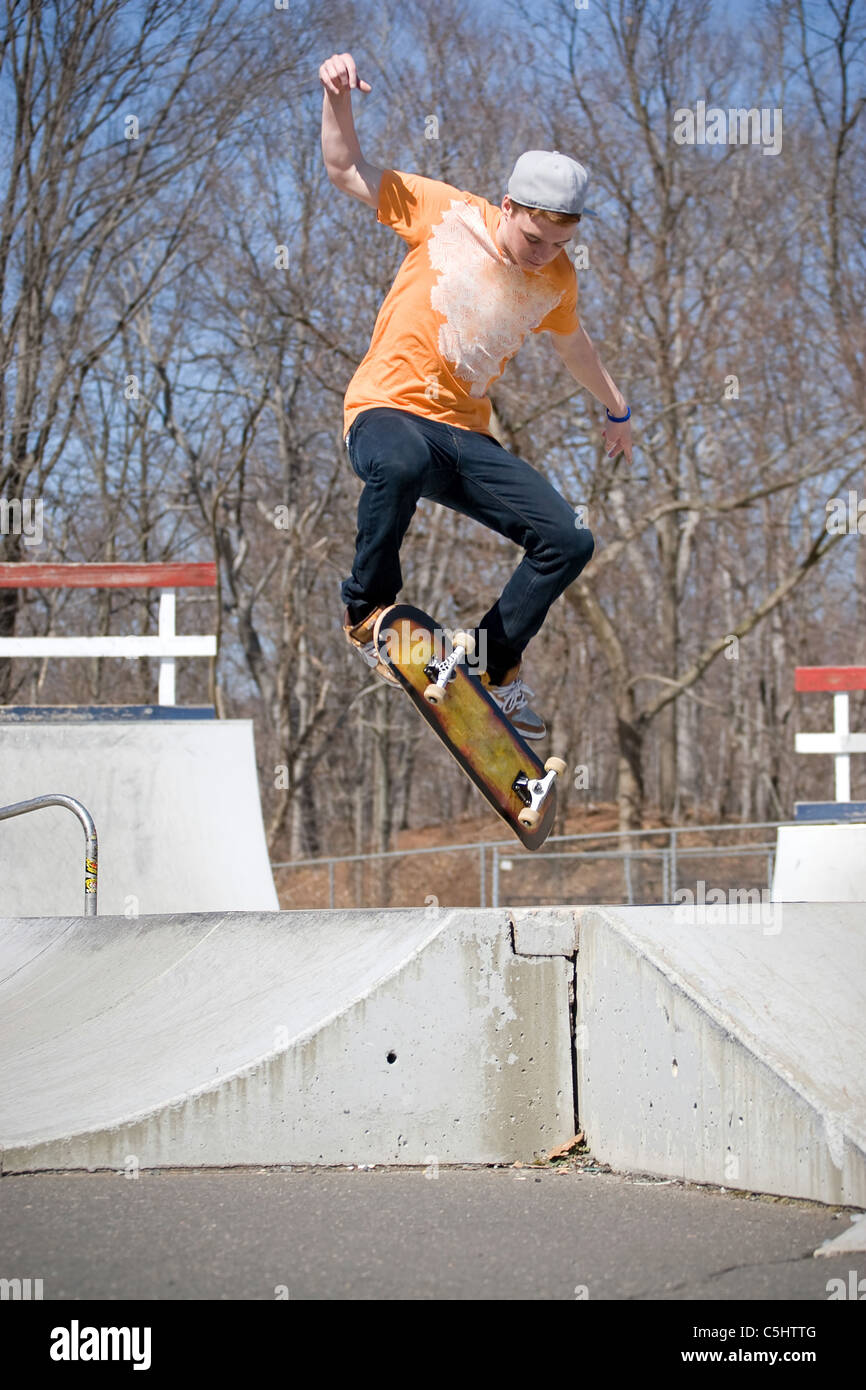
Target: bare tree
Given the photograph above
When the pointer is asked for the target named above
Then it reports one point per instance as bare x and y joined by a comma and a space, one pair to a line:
121, 119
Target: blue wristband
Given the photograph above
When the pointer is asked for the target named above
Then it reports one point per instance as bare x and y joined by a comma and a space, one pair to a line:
619, 419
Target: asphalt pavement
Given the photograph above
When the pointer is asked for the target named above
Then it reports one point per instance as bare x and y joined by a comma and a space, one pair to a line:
554, 1233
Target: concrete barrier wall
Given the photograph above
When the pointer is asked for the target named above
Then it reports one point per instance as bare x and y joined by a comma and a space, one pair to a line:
726, 1045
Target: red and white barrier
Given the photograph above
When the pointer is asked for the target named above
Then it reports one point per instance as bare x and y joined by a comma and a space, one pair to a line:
167, 645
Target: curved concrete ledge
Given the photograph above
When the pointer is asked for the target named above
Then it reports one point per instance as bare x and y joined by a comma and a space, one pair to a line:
293, 1037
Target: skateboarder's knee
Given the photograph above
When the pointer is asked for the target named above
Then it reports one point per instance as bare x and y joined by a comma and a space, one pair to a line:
402, 472
576, 546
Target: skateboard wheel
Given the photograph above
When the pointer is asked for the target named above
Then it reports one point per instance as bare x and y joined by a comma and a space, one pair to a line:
464, 640
529, 818
555, 765
434, 694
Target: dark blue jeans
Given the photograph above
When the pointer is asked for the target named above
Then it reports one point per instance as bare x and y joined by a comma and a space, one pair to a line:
401, 457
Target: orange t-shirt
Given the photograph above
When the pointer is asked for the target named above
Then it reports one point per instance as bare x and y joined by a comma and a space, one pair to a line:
457, 311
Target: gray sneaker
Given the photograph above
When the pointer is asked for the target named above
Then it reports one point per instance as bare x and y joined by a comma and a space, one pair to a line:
512, 696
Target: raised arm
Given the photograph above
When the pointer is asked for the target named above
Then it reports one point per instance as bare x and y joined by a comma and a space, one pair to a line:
577, 351
347, 168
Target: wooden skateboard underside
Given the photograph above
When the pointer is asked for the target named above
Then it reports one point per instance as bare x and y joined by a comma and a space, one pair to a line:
468, 721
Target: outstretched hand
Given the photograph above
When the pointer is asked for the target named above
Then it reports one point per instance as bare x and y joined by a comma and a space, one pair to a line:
339, 74
617, 438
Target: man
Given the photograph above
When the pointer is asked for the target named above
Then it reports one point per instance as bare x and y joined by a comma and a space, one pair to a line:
475, 281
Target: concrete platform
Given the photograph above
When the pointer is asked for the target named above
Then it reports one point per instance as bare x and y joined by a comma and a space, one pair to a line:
716, 1044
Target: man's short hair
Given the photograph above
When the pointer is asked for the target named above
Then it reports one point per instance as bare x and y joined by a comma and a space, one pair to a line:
559, 218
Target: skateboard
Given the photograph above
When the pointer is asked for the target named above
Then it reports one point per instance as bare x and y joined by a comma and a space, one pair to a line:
433, 668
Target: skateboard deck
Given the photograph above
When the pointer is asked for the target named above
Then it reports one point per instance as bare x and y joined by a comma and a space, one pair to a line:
433, 671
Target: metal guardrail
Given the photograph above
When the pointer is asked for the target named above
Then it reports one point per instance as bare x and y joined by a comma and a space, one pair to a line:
91, 849
496, 857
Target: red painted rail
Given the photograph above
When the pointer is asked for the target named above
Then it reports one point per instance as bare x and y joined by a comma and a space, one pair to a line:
833, 678
108, 576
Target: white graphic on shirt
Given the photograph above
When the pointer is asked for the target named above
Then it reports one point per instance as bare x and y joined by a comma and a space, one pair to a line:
488, 304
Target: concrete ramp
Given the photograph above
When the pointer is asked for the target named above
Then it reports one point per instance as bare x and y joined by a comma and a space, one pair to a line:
177, 810
820, 864
293, 1037
725, 1044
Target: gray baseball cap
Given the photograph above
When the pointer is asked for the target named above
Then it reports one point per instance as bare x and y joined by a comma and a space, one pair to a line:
551, 181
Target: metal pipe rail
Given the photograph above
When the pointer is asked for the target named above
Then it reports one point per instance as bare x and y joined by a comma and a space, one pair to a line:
91, 849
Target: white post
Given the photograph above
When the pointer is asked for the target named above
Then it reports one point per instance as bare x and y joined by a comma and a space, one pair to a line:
167, 611
843, 760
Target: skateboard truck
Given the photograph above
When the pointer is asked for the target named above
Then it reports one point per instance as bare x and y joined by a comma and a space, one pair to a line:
462, 646
533, 791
